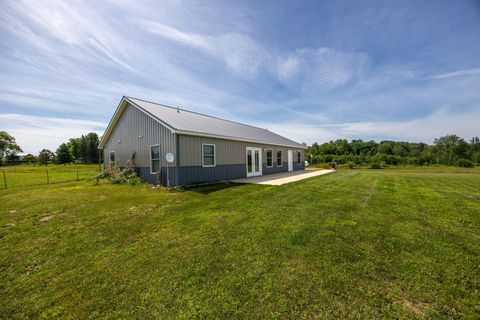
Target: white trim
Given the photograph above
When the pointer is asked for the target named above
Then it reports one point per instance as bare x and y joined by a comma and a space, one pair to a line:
209, 135
281, 158
266, 158
159, 158
290, 160
214, 155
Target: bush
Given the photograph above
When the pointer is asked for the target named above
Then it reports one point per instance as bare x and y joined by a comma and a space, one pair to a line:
351, 165
116, 175
375, 165
465, 163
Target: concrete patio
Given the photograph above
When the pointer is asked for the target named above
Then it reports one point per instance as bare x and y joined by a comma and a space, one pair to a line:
277, 179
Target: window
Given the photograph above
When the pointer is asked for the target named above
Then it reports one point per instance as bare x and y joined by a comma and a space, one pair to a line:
269, 158
299, 160
155, 158
279, 158
112, 157
208, 155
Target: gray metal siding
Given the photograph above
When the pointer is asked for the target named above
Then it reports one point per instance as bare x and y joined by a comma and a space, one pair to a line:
199, 174
145, 175
125, 139
227, 151
275, 168
230, 160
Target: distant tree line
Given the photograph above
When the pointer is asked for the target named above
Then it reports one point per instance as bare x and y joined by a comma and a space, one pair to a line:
80, 150
447, 150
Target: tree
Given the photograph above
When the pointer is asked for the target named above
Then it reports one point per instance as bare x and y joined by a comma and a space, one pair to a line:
63, 154
45, 157
73, 146
450, 148
92, 147
88, 148
29, 158
8, 146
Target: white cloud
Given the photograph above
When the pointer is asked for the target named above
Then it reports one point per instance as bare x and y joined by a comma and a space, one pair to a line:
322, 68
458, 73
238, 51
73, 24
33, 133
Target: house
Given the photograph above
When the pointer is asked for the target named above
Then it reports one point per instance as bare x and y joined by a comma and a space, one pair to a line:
204, 148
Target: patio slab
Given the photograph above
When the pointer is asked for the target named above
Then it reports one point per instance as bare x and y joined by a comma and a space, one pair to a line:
277, 179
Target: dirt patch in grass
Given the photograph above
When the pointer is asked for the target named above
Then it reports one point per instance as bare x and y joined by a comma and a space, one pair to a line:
57, 215
416, 308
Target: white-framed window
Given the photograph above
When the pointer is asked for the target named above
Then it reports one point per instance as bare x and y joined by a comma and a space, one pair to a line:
155, 159
208, 155
269, 158
112, 157
299, 156
279, 158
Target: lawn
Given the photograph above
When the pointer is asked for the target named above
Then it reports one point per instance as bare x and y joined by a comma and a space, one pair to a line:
31, 175
352, 244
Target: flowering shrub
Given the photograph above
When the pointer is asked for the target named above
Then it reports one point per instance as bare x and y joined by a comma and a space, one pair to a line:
116, 175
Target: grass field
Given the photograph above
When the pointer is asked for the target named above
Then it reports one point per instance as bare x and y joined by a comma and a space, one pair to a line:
31, 175
352, 244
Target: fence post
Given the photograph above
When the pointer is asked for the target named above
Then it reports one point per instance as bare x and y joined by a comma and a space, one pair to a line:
77, 174
4, 179
48, 179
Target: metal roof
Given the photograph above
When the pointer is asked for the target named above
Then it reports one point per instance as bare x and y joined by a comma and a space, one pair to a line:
192, 123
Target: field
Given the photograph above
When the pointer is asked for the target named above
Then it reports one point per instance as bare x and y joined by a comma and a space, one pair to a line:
352, 244
34, 175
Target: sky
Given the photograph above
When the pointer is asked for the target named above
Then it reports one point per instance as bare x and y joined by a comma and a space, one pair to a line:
310, 70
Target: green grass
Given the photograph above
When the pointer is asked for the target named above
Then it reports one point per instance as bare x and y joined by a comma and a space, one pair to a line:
32, 175
352, 244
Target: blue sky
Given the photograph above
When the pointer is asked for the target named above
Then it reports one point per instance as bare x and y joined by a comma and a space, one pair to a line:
313, 71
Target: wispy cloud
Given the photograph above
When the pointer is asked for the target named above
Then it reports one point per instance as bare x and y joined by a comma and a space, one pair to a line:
459, 73
322, 68
240, 52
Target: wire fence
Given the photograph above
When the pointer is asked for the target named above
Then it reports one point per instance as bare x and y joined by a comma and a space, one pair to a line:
20, 177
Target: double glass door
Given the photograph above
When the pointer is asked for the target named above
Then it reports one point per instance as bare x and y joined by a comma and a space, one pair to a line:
254, 162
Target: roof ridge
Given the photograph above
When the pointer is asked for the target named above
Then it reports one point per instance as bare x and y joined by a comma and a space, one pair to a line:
202, 114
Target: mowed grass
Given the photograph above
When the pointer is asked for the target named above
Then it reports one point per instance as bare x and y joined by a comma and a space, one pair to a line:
32, 175
351, 244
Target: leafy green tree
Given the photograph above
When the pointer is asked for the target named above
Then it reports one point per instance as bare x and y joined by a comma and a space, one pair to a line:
63, 154
88, 148
45, 157
386, 147
29, 158
449, 148
73, 147
92, 147
8, 146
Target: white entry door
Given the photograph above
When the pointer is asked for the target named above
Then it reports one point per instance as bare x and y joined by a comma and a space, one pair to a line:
290, 160
254, 162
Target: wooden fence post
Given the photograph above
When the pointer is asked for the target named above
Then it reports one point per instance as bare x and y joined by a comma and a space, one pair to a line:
4, 179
